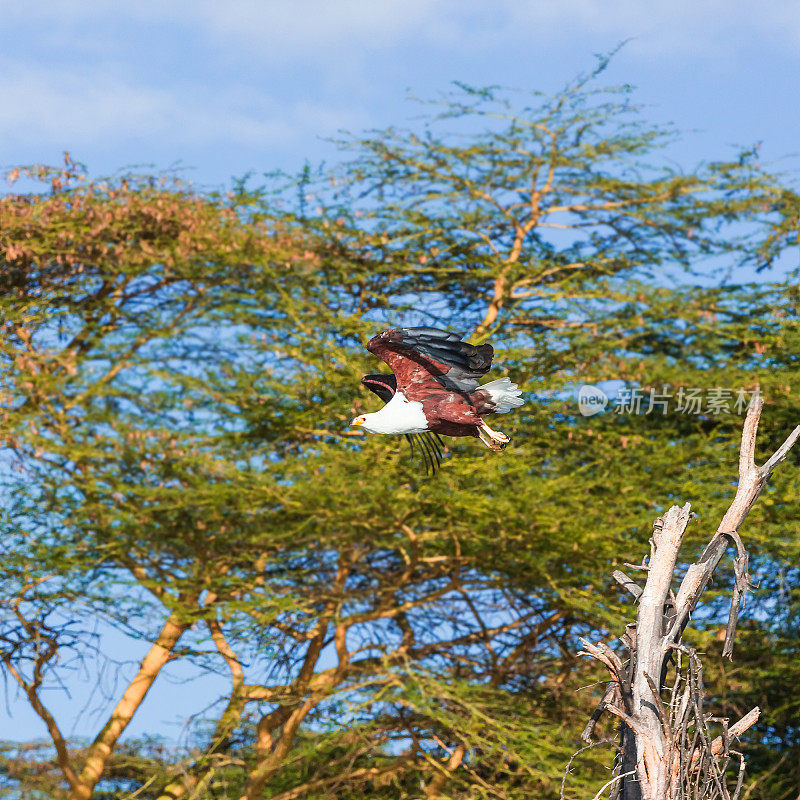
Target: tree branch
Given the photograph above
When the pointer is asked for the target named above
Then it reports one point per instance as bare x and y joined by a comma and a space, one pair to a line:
655, 735
100, 749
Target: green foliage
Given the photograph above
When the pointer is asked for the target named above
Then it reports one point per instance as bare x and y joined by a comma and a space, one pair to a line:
178, 373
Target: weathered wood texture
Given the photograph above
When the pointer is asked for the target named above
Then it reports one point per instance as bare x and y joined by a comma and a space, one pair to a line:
667, 750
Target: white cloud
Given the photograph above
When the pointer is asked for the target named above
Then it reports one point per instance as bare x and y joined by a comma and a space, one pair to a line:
309, 30
273, 30
59, 106
670, 26
256, 74
304, 27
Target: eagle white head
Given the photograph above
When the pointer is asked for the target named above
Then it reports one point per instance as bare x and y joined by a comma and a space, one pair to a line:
399, 415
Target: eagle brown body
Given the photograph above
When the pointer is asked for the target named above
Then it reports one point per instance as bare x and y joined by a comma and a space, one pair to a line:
435, 381
423, 378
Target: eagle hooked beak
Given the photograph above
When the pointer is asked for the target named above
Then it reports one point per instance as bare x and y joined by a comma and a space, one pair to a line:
359, 420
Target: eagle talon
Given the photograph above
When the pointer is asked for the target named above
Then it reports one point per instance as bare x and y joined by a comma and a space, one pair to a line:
497, 440
493, 444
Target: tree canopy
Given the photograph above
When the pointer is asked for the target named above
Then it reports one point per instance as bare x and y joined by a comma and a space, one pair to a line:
178, 371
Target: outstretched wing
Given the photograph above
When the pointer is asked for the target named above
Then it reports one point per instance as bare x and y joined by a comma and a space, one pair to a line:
384, 386
419, 354
428, 444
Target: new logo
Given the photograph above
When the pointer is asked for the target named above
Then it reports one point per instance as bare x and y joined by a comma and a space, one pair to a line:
591, 400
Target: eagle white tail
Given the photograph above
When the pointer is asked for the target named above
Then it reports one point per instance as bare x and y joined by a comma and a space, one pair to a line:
504, 394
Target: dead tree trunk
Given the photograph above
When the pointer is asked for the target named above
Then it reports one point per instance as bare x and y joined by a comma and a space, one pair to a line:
667, 749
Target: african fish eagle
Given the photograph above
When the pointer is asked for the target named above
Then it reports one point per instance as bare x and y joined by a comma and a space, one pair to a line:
434, 389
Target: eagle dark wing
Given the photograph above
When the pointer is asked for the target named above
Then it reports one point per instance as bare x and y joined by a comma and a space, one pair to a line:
384, 386
429, 444
415, 354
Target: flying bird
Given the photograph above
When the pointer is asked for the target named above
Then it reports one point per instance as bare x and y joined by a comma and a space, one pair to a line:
434, 390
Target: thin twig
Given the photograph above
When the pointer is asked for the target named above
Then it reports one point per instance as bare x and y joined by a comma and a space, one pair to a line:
612, 782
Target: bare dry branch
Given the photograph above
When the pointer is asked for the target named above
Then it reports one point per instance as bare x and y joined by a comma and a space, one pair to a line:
668, 750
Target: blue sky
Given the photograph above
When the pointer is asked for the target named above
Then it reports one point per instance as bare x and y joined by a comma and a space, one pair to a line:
229, 86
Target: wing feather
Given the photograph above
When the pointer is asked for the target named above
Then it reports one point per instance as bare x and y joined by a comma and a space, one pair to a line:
430, 448
428, 445
416, 353
384, 386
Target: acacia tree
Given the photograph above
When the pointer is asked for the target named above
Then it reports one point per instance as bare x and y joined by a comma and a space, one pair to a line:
154, 464
102, 283
180, 369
